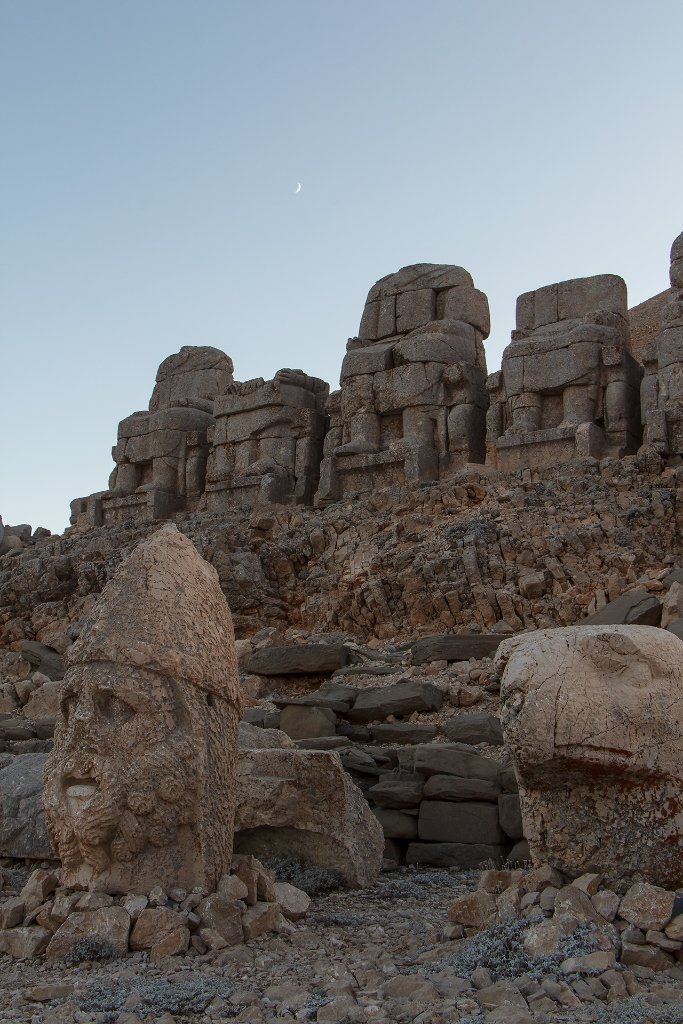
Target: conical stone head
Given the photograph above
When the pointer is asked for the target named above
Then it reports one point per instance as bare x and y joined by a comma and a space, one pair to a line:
140, 786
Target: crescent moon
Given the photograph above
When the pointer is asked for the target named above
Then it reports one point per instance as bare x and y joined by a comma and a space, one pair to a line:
298, 187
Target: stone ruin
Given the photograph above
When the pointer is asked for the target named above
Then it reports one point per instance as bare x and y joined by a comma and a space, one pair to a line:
662, 388
568, 386
267, 441
412, 403
141, 783
161, 454
415, 404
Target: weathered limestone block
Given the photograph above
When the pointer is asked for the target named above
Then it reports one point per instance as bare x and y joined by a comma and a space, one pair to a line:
161, 454
268, 440
302, 803
568, 386
412, 405
594, 718
662, 388
140, 787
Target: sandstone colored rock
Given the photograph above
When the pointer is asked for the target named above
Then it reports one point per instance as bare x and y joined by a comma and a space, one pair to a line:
474, 910
223, 917
594, 718
647, 906
101, 931
153, 925
140, 787
293, 902
24, 943
301, 802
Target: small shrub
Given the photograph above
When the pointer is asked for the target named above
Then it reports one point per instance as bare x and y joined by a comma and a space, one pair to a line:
90, 949
311, 878
157, 997
500, 949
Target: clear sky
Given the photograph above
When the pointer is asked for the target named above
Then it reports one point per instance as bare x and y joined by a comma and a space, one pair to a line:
150, 149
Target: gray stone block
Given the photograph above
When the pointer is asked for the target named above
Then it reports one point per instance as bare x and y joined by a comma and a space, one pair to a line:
301, 722
510, 815
403, 732
22, 822
450, 822
455, 855
455, 647
452, 787
397, 793
477, 727
454, 759
615, 612
396, 824
300, 659
401, 698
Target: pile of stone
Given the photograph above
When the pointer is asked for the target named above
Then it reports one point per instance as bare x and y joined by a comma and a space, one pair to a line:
640, 928
73, 925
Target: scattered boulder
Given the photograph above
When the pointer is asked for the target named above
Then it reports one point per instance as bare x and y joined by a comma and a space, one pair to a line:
302, 803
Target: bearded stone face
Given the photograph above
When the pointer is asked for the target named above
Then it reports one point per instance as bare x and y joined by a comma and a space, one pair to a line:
119, 784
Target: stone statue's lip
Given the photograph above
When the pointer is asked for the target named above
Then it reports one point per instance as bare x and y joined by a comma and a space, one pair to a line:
80, 789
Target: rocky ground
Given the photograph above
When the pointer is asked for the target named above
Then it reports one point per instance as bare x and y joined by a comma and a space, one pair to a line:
380, 954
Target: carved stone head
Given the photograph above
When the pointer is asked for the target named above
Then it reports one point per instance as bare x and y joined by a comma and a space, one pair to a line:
139, 788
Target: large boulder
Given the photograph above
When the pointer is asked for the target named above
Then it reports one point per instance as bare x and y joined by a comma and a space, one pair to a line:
22, 822
302, 803
594, 718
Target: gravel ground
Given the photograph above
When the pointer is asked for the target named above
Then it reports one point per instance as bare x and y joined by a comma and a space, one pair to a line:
380, 954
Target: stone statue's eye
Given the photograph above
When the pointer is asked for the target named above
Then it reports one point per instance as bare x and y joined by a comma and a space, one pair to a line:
68, 703
113, 708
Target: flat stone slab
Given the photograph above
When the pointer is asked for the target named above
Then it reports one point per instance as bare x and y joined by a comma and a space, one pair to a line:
298, 659
455, 647
454, 759
627, 608
401, 698
477, 727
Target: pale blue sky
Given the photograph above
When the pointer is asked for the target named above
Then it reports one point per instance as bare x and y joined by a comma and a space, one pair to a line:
150, 151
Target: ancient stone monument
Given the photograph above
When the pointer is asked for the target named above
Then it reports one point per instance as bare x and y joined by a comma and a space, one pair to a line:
568, 386
161, 454
413, 402
267, 442
593, 716
662, 388
140, 786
